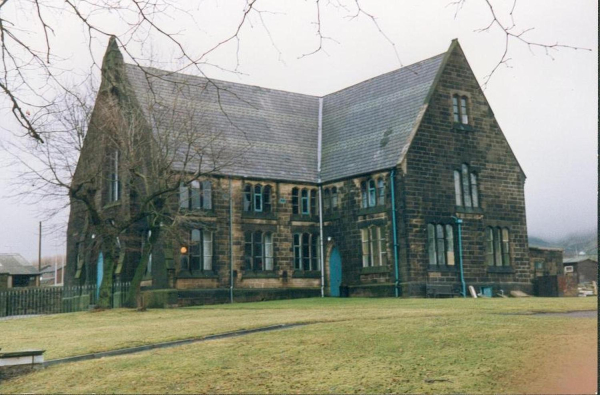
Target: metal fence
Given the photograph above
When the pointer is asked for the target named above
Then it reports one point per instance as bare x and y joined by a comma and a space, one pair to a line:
55, 300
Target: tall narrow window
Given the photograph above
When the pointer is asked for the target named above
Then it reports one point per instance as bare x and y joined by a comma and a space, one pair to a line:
207, 248
206, 195
268, 251
267, 199
184, 196
505, 248
195, 250
258, 251
305, 251
372, 194
489, 246
114, 190
366, 253
380, 192
449, 245
248, 256
455, 110
440, 248
334, 199
195, 194
431, 244
374, 246
474, 192
463, 110
382, 246
497, 246
248, 198
457, 188
313, 201
364, 194
326, 201
295, 206
466, 185
305, 202
258, 206
297, 252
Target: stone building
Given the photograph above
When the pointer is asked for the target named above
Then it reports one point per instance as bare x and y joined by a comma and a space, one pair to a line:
395, 183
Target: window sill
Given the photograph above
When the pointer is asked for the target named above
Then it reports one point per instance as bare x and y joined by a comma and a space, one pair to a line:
462, 126
112, 204
332, 215
306, 274
252, 215
374, 269
201, 211
372, 210
443, 269
264, 274
469, 210
500, 269
305, 218
197, 274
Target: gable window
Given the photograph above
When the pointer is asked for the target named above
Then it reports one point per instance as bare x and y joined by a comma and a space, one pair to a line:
330, 199
460, 109
258, 251
465, 187
197, 255
304, 201
307, 251
197, 195
257, 198
440, 245
372, 193
497, 246
374, 247
114, 185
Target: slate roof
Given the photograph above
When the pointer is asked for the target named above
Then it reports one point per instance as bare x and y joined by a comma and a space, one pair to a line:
265, 133
580, 258
15, 264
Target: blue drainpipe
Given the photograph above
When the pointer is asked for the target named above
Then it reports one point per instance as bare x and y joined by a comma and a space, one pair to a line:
392, 187
460, 257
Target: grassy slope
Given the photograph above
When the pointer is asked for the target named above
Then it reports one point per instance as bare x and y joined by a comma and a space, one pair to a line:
375, 345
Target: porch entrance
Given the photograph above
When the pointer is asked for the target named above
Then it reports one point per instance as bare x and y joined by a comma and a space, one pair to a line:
335, 272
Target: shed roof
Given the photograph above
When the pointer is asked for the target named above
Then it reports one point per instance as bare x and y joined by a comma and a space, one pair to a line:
15, 264
580, 258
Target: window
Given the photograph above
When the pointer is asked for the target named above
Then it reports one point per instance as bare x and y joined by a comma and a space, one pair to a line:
258, 251
307, 251
460, 109
196, 195
372, 193
257, 198
465, 187
497, 246
330, 199
114, 186
197, 255
304, 201
440, 245
374, 247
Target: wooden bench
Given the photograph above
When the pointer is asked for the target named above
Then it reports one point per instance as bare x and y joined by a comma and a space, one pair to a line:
437, 290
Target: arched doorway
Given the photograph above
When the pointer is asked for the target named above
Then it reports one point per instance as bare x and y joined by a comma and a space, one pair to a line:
335, 272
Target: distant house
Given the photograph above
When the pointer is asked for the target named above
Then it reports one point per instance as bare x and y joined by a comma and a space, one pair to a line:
16, 271
584, 266
545, 261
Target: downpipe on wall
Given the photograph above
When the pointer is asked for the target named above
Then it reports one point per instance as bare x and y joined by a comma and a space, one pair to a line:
321, 241
395, 232
460, 256
230, 241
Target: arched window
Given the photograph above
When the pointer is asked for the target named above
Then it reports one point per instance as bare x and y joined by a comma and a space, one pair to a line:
464, 111
305, 202
326, 200
465, 187
267, 199
380, 192
334, 198
258, 202
455, 109
364, 194
372, 193
248, 198
196, 195
440, 245
295, 200
114, 185
374, 246
313, 202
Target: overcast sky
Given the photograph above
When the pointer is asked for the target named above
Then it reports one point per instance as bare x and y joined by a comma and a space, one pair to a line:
546, 106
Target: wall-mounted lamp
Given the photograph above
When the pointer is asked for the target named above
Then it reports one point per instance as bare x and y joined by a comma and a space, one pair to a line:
183, 250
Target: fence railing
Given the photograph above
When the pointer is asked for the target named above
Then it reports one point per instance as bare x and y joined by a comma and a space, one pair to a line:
55, 300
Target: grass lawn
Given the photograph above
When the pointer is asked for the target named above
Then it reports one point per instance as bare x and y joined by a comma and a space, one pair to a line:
354, 345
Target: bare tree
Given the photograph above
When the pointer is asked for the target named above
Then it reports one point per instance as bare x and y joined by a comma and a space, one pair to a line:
140, 152
31, 80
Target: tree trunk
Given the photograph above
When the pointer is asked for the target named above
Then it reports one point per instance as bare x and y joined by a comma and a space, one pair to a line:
105, 295
134, 299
